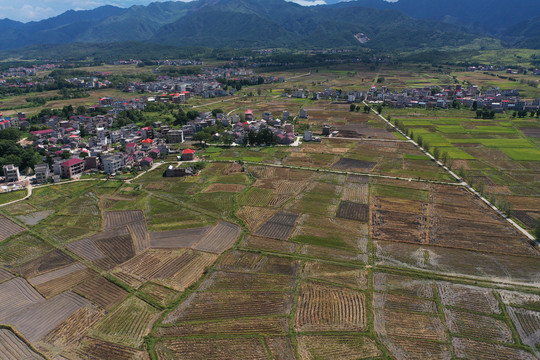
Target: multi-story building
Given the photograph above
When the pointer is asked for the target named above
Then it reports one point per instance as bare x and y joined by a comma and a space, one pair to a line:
175, 136
42, 173
11, 173
112, 164
71, 168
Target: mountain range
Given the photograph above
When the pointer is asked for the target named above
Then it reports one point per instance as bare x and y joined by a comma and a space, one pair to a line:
406, 24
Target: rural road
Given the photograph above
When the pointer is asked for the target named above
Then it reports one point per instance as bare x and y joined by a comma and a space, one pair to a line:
29, 193
461, 181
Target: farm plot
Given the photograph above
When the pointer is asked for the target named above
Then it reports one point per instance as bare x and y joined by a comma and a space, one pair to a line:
354, 165
399, 226
416, 326
516, 299
9, 228
260, 243
86, 249
210, 349
234, 188
218, 239
356, 193
468, 297
280, 347
353, 211
160, 293
417, 349
324, 252
39, 319
5, 275
15, 295
34, 218
329, 308
254, 216
21, 249
527, 323
140, 236
45, 263
394, 302
118, 247
13, 348
101, 292
338, 274
231, 305
278, 226
477, 326
119, 218
528, 218
177, 238
127, 324
54, 282
104, 350
470, 349
230, 281
337, 347
270, 326
404, 285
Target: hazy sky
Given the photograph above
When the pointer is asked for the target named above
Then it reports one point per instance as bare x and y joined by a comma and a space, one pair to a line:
29, 10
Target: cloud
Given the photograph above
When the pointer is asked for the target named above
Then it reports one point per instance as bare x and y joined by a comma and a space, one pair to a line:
308, 2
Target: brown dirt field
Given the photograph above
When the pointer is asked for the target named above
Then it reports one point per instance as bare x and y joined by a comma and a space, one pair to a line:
527, 324
477, 326
398, 226
267, 244
229, 281
254, 216
5, 275
520, 299
263, 172
395, 302
119, 218
278, 226
13, 348
277, 266
238, 261
234, 188
104, 350
470, 349
353, 211
15, 295
417, 349
352, 164
50, 261
210, 349
401, 205
278, 201
338, 274
40, 318
139, 234
101, 292
336, 347
329, 308
189, 268
269, 326
403, 284
177, 238
468, 297
418, 326
86, 249
62, 282
525, 202
231, 305
324, 252
357, 193
72, 330
9, 228
160, 293
219, 238
528, 218
119, 248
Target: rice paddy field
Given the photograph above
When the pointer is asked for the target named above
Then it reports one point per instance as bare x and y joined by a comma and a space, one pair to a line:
352, 248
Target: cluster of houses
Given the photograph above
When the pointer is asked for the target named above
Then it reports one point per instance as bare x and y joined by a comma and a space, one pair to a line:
18, 121
350, 96
432, 97
27, 71
89, 83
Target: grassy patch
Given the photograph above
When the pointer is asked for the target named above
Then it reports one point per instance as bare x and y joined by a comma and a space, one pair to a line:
12, 196
400, 192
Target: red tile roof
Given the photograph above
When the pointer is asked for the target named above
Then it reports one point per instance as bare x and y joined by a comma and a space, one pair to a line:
72, 162
188, 151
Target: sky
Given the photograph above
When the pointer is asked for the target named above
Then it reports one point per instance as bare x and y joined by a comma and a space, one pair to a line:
33, 10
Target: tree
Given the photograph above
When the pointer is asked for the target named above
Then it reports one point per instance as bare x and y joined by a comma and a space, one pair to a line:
475, 105
203, 137
505, 206
444, 157
379, 109
352, 107
259, 91
436, 153
66, 155
83, 155
12, 134
367, 109
216, 111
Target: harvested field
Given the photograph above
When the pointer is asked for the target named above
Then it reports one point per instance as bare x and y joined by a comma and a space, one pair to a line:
520, 299
254, 216
278, 201
527, 323
35, 217
270, 326
338, 274
13, 348
403, 284
128, 323
118, 248
417, 326
5, 275
234, 188
280, 347
15, 295
50, 261
160, 293
177, 238
57, 281
353, 164
219, 238
140, 237
353, 211
528, 218
73, 329
231, 305
9, 228
101, 292
329, 308
336, 347
470, 349
413, 349
477, 326
210, 349
119, 218
468, 297
393, 302
267, 244
399, 226
186, 269
357, 193
229, 281
278, 226
94, 349
277, 266
239, 261
41, 318
86, 249
324, 252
